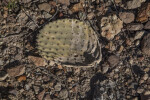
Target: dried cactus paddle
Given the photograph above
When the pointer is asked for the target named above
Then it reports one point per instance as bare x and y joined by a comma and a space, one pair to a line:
70, 42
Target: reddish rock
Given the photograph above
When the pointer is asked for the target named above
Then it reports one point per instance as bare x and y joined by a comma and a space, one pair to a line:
16, 71
144, 13
37, 60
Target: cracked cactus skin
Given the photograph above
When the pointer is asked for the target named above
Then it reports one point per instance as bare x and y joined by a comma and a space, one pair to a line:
70, 42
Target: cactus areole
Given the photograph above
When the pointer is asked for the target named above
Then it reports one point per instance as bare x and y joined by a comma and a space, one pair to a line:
70, 42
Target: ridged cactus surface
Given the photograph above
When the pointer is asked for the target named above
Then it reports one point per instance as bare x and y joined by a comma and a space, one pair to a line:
70, 42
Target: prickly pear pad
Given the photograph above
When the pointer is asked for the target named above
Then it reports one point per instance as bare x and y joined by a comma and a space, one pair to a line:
70, 42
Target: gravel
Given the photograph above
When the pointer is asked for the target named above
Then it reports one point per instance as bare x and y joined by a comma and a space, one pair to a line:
122, 74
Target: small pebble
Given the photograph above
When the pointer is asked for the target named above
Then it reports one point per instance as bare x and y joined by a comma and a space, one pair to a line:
134, 26
145, 77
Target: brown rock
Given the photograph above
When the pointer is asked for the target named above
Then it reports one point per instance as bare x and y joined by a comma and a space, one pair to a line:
45, 7
135, 27
37, 61
132, 4
145, 44
22, 78
16, 71
41, 95
118, 1
90, 15
143, 13
113, 60
111, 26
65, 2
147, 25
77, 7
126, 17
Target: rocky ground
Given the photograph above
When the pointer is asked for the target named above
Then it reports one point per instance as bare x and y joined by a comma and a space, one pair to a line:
123, 27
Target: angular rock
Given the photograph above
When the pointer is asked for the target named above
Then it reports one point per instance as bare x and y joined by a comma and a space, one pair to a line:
147, 92
145, 44
16, 71
44, 6
135, 27
134, 4
138, 35
127, 17
36, 89
111, 26
41, 95
37, 61
147, 25
22, 78
113, 60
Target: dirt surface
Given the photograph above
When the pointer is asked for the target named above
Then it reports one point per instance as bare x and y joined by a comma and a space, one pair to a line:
123, 27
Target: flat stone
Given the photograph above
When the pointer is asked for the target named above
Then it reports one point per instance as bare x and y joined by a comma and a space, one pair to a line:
135, 27
145, 77
16, 71
134, 4
139, 34
127, 17
44, 6
38, 61
147, 25
65, 2
145, 44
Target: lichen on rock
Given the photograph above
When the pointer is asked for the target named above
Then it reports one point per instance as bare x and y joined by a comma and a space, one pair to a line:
70, 42
111, 26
